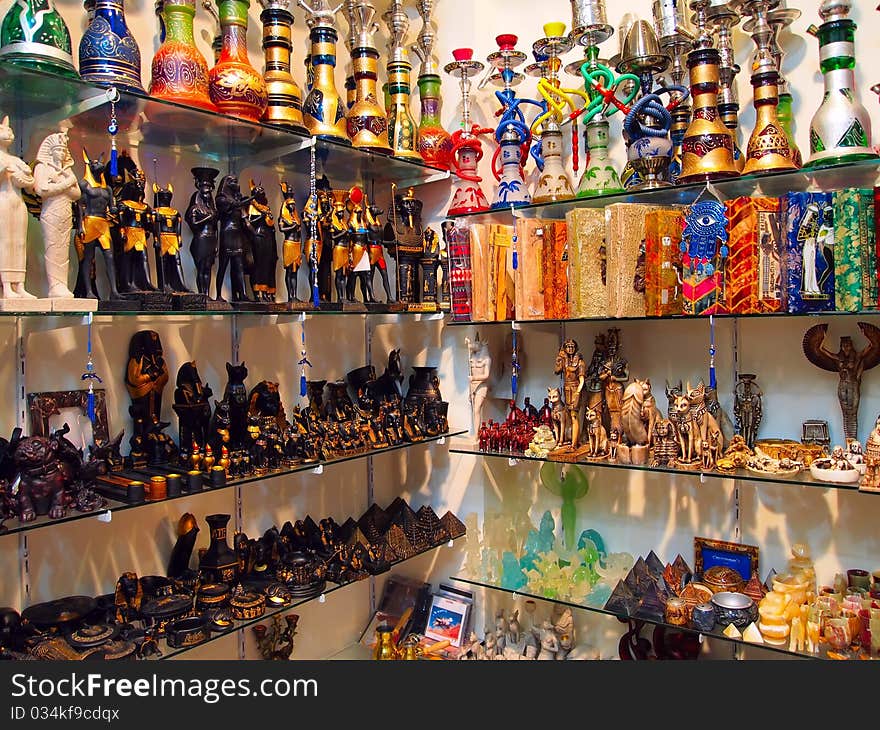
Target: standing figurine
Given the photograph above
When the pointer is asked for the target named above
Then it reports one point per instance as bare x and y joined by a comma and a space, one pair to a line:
614, 372
479, 371
167, 226
134, 227
359, 248
406, 230
747, 408
230, 213
201, 217
146, 376
56, 185
339, 235
15, 176
95, 209
290, 226
314, 241
375, 236
260, 225
849, 363
573, 369
193, 407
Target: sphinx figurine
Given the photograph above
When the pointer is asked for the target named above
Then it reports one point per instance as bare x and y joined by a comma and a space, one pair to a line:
57, 187
15, 176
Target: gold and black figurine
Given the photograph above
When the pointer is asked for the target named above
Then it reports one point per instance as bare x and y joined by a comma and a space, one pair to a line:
323, 109
707, 148
403, 134
367, 124
285, 97
768, 147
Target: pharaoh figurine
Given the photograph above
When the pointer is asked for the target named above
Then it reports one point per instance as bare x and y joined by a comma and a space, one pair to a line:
314, 241
375, 237
341, 255
290, 226
614, 373
571, 366
193, 407
325, 221
56, 185
430, 264
135, 225
479, 371
15, 176
230, 214
167, 225
359, 248
146, 376
407, 232
260, 225
747, 408
594, 383
201, 217
93, 213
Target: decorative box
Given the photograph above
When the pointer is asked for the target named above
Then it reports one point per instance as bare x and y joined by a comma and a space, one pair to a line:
588, 295
479, 252
458, 242
663, 263
753, 272
855, 253
530, 273
555, 267
809, 247
625, 247
492, 263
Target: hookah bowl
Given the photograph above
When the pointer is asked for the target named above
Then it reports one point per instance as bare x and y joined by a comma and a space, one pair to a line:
512, 133
781, 18
841, 128
707, 146
467, 151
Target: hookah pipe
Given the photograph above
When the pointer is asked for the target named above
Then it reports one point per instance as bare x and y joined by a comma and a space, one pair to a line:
468, 136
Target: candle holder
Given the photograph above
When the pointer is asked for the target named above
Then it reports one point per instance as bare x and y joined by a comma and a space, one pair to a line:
841, 128
403, 134
434, 142
707, 148
512, 133
467, 150
285, 97
367, 125
323, 109
768, 147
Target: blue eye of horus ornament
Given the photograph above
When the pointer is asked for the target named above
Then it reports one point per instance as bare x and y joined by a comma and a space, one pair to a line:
705, 225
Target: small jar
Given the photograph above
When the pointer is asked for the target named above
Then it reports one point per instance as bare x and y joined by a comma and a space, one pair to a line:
137, 491
218, 476
384, 648
676, 612
158, 489
857, 578
173, 482
703, 617
194, 480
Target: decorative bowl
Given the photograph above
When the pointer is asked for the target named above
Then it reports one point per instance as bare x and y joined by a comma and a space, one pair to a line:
822, 470
721, 578
734, 608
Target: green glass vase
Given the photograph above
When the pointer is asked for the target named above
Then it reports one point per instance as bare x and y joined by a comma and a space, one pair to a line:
33, 34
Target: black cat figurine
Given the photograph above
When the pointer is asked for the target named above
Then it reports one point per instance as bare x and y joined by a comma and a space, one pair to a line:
236, 395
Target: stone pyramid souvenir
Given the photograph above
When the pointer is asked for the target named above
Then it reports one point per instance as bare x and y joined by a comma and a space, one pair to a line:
358, 538
622, 601
454, 527
399, 542
376, 518
655, 565
287, 533
346, 529
754, 589
430, 527
632, 580
677, 575
407, 521
652, 603
300, 535
393, 509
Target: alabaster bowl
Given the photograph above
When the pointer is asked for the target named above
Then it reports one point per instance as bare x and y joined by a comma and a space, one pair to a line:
721, 578
734, 608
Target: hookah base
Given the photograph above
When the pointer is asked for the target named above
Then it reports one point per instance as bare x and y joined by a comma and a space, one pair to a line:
708, 177
649, 185
827, 160
465, 210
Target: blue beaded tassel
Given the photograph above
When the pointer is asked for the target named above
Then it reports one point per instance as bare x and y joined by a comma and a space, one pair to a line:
303, 389
112, 129
514, 368
90, 373
313, 232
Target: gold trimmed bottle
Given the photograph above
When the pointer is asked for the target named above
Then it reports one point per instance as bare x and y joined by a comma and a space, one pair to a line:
236, 87
366, 125
284, 95
403, 134
323, 109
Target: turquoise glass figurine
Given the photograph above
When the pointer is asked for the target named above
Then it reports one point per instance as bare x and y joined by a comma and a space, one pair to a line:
512, 576
570, 484
33, 34
108, 52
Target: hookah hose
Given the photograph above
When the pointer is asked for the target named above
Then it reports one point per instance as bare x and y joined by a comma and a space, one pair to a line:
464, 139
512, 117
556, 99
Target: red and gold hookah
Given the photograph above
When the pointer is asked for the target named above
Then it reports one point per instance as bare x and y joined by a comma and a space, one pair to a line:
560, 106
467, 151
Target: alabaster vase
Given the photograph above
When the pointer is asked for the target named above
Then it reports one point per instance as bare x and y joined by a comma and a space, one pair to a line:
235, 86
179, 72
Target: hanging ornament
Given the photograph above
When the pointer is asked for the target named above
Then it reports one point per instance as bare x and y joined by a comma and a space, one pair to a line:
514, 368
304, 361
704, 251
90, 373
313, 229
112, 130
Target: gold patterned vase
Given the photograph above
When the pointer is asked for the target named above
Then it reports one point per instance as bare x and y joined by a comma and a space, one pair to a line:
285, 97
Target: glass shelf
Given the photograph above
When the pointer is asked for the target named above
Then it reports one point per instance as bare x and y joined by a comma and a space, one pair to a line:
668, 318
116, 506
40, 100
184, 314
714, 634
169, 653
802, 479
862, 173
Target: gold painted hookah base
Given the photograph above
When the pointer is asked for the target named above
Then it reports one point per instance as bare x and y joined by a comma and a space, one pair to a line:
323, 109
403, 134
768, 147
367, 125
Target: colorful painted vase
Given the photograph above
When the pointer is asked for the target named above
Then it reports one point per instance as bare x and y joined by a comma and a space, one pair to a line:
435, 143
179, 71
323, 109
108, 52
236, 87
33, 34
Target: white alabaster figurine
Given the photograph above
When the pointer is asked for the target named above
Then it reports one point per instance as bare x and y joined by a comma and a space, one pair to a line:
15, 175
56, 184
479, 370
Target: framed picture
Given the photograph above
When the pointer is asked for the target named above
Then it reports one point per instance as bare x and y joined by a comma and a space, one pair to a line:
51, 410
709, 553
447, 618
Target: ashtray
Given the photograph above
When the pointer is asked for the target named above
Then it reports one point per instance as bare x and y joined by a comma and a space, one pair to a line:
88, 636
189, 631
734, 608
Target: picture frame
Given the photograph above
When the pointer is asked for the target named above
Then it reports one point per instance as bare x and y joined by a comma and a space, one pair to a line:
43, 405
742, 558
448, 617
